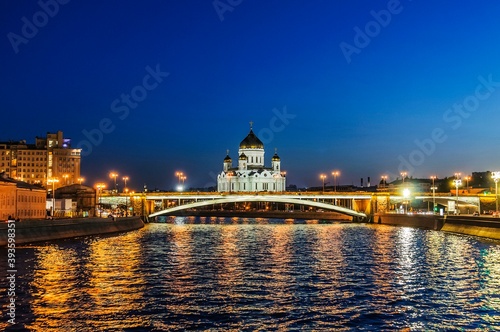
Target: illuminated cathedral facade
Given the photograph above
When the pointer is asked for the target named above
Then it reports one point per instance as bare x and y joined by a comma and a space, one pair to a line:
250, 175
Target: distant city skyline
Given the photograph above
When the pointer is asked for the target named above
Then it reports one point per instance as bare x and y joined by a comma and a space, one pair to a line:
152, 88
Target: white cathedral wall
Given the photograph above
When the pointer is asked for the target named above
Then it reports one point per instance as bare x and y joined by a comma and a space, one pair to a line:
255, 156
271, 183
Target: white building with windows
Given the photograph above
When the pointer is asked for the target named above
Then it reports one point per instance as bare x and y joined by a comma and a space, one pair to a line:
250, 175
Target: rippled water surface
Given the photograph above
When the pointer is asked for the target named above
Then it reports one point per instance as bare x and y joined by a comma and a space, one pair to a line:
259, 275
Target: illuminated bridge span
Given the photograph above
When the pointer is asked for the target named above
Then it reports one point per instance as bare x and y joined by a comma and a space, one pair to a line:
355, 203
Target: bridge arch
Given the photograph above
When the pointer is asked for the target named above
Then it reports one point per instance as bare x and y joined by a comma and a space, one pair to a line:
247, 198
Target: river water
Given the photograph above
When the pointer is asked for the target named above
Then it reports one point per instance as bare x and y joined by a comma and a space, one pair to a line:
258, 274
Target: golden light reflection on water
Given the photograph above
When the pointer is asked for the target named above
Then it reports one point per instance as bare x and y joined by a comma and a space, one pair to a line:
266, 276
116, 285
180, 284
230, 273
53, 287
70, 287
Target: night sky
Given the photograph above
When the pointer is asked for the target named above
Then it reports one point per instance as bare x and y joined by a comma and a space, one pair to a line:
148, 88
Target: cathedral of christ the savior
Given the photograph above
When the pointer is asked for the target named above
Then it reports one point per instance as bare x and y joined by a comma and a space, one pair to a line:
251, 175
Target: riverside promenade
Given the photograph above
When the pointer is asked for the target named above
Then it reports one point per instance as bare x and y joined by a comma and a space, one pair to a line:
30, 231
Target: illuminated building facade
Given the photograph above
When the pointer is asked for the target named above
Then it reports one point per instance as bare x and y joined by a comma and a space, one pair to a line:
251, 175
21, 200
50, 157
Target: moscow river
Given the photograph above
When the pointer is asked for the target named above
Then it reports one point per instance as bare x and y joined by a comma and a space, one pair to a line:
216, 274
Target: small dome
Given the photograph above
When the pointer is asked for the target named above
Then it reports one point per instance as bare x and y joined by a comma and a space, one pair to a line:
243, 157
227, 159
251, 142
276, 157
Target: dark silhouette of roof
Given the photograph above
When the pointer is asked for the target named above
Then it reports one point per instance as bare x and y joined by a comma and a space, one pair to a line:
251, 142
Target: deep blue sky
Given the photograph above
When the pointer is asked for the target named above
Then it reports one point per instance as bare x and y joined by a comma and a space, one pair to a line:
361, 116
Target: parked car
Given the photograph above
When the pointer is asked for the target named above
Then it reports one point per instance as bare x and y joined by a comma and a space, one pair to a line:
476, 214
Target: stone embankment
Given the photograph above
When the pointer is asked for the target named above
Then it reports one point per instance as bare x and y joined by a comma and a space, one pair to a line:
483, 226
31, 231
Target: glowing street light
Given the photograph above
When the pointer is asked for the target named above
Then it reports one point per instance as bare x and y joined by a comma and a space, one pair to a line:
467, 179
179, 175
65, 176
433, 178
126, 202
100, 186
384, 180
403, 174
323, 177
125, 179
80, 180
53, 181
496, 177
182, 178
457, 182
335, 174
114, 175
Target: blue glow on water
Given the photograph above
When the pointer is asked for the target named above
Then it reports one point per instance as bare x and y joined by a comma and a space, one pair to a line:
256, 274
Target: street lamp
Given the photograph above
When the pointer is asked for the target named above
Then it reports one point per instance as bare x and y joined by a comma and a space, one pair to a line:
125, 179
403, 174
433, 178
179, 175
114, 175
335, 174
323, 177
53, 181
496, 177
126, 202
80, 180
100, 186
467, 179
457, 182
384, 181
65, 176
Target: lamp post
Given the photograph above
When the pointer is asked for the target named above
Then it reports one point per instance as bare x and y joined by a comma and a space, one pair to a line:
80, 180
496, 177
53, 181
65, 176
99, 187
179, 175
335, 174
457, 182
126, 202
384, 181
114, 175
125, 179
323, 177
403, 174
467, 179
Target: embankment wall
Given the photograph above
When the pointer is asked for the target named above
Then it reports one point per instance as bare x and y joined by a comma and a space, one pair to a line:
45, 230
